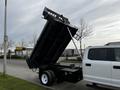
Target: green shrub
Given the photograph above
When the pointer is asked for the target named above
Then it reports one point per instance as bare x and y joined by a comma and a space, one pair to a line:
13, 57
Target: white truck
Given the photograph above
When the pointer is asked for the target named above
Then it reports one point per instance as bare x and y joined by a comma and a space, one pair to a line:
99, 65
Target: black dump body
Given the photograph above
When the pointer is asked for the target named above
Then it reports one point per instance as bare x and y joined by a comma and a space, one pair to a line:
52, 41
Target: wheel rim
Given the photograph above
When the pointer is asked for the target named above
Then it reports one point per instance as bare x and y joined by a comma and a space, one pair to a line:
44, 79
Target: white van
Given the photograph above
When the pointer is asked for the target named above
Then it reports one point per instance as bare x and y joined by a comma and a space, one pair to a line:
101, 64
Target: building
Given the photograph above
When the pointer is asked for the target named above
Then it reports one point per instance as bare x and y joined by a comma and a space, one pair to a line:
71, 52
23, 51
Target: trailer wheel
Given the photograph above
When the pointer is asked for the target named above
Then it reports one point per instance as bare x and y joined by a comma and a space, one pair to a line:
47, 77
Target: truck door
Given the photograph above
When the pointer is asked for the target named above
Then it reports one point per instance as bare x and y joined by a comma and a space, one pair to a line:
116, 68
99, 64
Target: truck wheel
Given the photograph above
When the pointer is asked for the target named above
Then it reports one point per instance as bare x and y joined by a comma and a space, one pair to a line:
91, 84
47, 77
94, 84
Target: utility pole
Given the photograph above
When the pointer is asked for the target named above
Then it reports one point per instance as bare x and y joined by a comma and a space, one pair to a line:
5, 39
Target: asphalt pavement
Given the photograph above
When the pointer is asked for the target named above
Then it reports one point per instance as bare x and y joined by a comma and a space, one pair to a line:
19, 68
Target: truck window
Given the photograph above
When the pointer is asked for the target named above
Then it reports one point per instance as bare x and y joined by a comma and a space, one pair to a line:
117, 54
97, 54
101, 54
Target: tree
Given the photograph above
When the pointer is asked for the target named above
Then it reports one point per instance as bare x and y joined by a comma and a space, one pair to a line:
84, 31
10, 43
23, 43
33, 40
1, 48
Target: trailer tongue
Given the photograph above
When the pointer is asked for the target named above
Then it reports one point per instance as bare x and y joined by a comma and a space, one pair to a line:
53, 40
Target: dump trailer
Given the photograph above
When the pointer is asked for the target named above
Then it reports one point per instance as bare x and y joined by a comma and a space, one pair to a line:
55, 36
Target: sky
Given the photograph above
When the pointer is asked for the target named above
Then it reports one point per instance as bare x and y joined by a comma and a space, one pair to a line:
24, 18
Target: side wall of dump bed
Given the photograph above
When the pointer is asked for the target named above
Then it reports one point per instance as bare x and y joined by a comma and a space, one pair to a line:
51, 43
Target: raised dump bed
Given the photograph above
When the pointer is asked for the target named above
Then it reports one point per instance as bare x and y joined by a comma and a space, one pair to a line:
52, 41
54, 38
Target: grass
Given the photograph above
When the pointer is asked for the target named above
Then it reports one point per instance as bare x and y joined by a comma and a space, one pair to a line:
13, 57
11, 83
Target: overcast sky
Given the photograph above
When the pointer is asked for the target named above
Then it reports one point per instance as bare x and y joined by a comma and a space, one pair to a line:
24, 18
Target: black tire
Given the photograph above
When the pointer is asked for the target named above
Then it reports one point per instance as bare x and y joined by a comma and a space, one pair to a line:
53, 75
91, 84
47, 77
94, 84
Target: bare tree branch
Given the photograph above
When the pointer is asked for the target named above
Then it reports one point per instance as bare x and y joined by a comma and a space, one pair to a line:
22, 43
1, 48
33, 40
10, 43
85, 30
